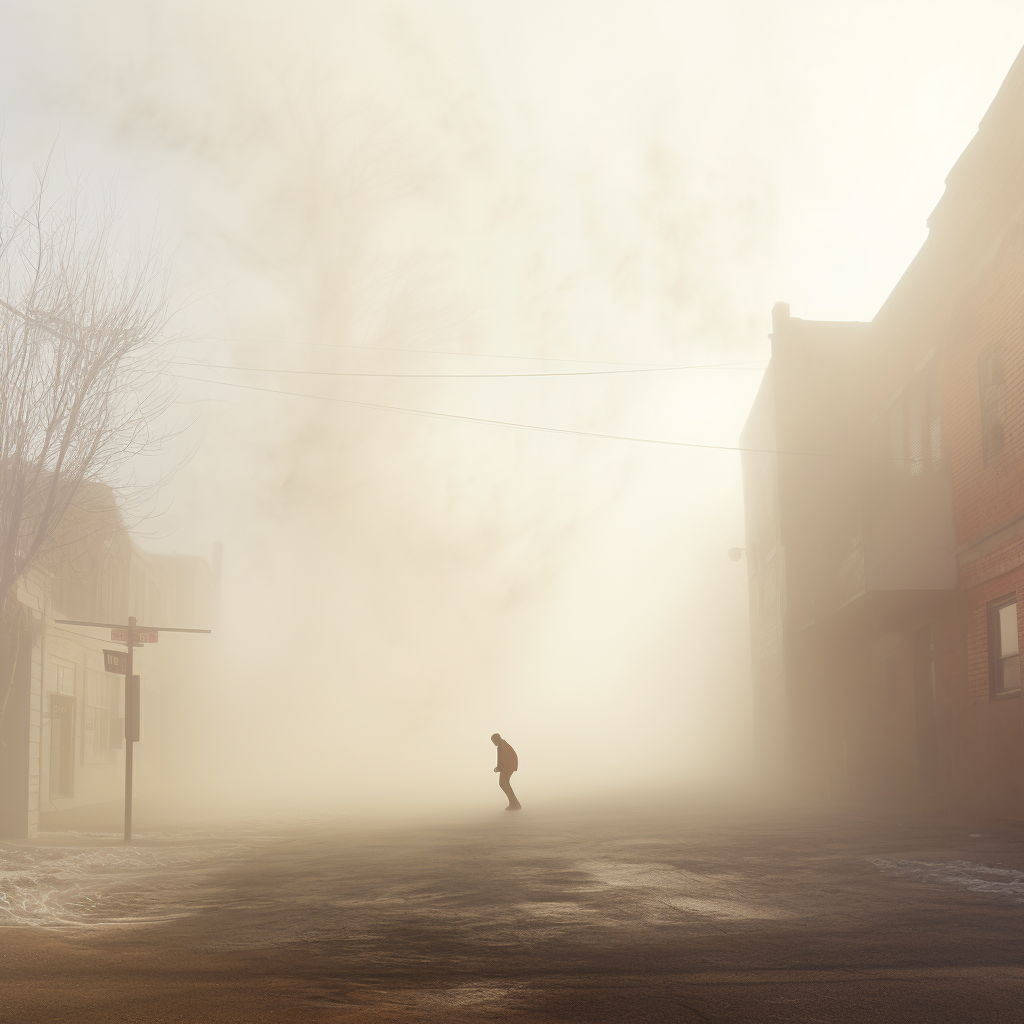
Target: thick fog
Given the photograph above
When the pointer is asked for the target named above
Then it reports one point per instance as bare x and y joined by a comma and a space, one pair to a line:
473, 211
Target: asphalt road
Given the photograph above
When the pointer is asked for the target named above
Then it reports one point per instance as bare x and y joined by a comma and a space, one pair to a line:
638, 915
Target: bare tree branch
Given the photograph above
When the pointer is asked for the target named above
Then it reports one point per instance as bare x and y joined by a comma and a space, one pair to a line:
83, 350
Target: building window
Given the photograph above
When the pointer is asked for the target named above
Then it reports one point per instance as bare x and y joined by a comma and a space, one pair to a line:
62, 745
894, 434
770, 576
933, 420
753, 590
913, 426
1004, 654
991, 386
97, 723
64, 678
924, 434
892, 678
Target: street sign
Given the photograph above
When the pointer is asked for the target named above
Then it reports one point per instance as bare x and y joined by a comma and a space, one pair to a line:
112, 662
144, 636
115, 661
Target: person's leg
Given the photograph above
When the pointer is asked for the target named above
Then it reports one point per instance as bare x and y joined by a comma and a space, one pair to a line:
506, 786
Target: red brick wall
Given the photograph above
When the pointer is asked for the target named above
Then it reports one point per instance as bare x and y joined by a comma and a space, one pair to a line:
987, 739
982, 740
990, 309
995, 563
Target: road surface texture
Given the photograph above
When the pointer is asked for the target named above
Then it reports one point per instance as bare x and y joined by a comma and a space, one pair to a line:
636, 916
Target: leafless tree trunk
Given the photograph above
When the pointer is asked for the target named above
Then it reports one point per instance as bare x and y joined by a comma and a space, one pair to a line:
82, 351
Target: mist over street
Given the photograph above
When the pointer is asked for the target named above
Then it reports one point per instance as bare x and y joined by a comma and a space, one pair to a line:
511, 512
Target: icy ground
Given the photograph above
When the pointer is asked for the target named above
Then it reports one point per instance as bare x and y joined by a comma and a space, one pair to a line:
976, 877
93, 880
642, 914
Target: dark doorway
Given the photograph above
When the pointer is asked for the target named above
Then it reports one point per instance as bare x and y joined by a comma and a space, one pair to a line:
62, 745
926, 711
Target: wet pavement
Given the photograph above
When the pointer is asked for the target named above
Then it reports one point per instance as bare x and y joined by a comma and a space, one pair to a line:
656, 914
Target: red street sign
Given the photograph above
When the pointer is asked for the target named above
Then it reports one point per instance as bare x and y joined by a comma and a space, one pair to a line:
143, 636
115, 661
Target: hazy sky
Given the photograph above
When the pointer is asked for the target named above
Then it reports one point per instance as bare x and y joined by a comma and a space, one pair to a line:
543, 188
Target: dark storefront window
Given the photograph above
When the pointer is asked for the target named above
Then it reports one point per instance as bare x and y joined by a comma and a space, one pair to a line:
1004, 655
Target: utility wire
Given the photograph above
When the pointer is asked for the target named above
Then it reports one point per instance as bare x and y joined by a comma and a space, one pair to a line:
428, 352
526, 426
455, 376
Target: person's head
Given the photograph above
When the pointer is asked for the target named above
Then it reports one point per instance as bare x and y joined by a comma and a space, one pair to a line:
495, 738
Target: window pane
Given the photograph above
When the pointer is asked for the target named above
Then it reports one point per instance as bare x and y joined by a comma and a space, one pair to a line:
100, 740
90, 732
1008, 630
65, 679
992, 385
915, 442
94, 689
895, 418
892, 678
934, 427
771, 582
1010, 673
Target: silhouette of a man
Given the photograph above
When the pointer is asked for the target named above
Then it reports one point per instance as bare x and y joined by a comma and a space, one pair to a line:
508, 762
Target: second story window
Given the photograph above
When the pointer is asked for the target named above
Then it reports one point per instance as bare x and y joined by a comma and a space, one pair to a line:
1004, 653
913, 426
924, 435
96, 726
991, 386
64, 678
894, 434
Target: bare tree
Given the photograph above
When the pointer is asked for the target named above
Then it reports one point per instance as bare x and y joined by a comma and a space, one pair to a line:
82, 356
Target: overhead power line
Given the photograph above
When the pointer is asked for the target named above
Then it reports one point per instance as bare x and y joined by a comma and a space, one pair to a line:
430, 352
456, 376
521, 426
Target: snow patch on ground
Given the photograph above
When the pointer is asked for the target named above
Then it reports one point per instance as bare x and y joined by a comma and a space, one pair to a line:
975, 877
62, 887
657, 887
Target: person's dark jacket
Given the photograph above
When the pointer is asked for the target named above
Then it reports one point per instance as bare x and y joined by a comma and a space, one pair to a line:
508, 761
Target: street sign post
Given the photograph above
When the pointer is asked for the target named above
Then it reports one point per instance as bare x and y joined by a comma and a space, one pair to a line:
129, 742
131, 710
124, 663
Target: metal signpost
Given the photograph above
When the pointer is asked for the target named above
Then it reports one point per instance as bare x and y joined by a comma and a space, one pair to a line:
123, 664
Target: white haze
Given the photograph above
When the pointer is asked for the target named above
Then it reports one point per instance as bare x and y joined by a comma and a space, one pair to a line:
629, 183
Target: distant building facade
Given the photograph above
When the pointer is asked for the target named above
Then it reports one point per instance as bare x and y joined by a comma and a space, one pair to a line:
62, 732
884, 498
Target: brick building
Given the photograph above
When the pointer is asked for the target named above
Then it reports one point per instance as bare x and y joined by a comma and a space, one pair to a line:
884, 491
